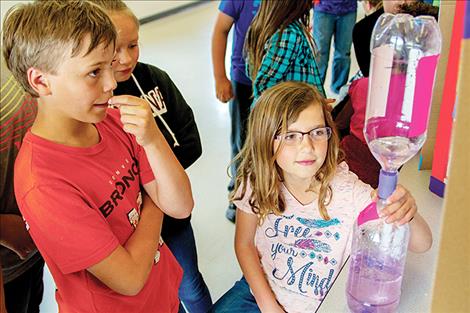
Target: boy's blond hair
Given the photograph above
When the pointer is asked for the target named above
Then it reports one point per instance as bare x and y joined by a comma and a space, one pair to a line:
277, 108
42, 34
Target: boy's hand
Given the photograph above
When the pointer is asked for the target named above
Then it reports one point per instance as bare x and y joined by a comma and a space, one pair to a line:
137, 118
223, 89
401, 208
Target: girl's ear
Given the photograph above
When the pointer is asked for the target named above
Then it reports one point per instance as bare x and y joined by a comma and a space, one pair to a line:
37, 79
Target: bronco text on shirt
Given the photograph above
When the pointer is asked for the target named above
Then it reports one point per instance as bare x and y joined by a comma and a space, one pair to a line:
80, 204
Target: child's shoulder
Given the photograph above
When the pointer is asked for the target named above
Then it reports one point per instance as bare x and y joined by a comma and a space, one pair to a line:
292, 32
148, 69
347, 183
343, 175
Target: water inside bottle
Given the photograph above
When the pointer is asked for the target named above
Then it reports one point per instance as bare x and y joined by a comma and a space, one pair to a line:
374, 284
392, 152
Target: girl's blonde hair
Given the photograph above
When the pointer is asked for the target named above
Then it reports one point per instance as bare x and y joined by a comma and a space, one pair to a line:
376, 4
275, 110
116, 6
273, 16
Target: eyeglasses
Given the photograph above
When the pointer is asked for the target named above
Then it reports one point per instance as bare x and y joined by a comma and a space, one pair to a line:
294, 138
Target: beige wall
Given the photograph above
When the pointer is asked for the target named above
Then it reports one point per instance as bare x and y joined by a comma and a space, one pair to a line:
452, 283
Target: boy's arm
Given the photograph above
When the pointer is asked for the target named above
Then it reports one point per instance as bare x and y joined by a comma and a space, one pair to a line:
250, 263
127, 268
171, 190
223, 87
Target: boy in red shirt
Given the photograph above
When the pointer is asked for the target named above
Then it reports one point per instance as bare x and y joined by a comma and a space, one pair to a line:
82, 166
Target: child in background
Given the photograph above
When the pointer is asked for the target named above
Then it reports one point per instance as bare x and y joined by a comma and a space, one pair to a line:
362, 33
334, 19
22, 264
81, 168
239, 90
297, 205
171, 113
279, 46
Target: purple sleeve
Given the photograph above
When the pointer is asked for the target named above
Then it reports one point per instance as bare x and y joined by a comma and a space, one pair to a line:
231, 7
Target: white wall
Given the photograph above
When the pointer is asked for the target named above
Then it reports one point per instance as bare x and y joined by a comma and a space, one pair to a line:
144, 8
141, 8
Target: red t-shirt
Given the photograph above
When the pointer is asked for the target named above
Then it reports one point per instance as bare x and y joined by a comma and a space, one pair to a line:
358, 94
80, 204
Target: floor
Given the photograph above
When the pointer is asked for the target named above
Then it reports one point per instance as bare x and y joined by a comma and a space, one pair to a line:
180, 44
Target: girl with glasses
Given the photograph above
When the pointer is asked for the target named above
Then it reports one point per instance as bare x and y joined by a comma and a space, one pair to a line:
296, 204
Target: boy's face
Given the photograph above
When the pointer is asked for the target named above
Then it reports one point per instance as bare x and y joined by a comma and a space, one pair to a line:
127, 46
83, 84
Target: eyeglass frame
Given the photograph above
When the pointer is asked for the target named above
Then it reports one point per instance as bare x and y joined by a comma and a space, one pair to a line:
282, 138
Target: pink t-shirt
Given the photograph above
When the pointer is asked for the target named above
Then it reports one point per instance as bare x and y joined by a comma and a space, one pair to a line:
80, 204
301, 253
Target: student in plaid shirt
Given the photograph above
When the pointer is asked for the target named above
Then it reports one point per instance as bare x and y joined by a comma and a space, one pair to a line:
279, 46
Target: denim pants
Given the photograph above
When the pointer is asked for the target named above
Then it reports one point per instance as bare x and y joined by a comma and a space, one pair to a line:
237, 300
325, 26
239, 111
24, 293
193, 291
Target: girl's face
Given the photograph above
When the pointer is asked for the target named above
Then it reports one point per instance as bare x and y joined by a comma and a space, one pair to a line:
300, 160
127, 46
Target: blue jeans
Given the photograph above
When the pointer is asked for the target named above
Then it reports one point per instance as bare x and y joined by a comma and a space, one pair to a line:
239, 108
237, 300
193, 291
324, 27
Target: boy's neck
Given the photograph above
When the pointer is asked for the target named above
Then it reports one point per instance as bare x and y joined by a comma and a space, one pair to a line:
64, 131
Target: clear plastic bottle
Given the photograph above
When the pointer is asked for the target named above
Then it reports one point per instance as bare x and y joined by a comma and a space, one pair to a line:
404, 51
377, 261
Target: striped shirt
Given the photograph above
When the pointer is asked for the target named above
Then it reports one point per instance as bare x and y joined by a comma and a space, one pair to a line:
290, 59
17, 112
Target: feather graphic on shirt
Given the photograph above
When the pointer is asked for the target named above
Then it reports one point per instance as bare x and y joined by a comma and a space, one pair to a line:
314, 223
312, 244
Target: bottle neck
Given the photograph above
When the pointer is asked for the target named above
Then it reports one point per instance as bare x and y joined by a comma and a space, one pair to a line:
387, 183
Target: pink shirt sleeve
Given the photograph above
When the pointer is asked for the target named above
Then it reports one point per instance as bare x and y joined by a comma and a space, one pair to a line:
244, 203
64, 227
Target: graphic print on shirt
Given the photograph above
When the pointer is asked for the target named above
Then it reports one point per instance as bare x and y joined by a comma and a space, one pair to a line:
133, 215
157, 254
301, 253
121, 179
155, 99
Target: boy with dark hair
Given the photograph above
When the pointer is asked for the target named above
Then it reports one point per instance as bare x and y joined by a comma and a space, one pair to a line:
81, 169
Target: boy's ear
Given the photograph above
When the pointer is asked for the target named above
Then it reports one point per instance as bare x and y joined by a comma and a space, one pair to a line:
38, 81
